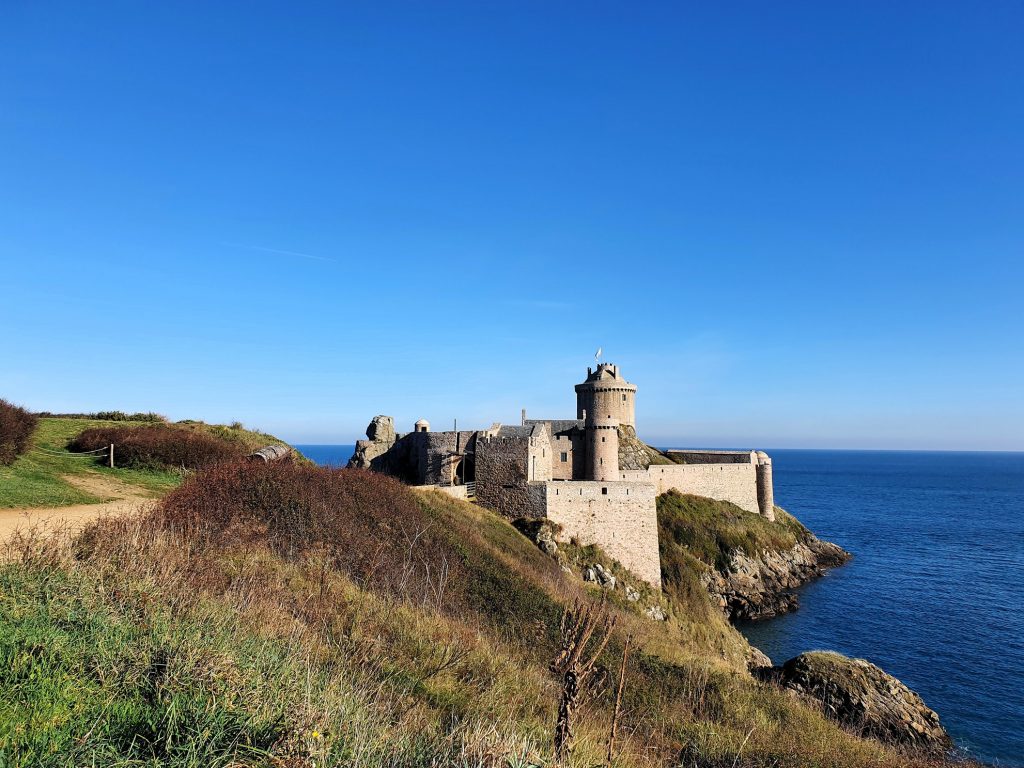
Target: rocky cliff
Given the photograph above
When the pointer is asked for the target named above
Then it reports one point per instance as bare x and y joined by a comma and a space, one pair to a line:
761, 585
748, 564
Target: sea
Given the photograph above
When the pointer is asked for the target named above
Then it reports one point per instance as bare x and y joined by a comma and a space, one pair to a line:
935, 592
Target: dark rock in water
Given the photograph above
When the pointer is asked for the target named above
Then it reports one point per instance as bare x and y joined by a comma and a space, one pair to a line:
861, 696
760, 587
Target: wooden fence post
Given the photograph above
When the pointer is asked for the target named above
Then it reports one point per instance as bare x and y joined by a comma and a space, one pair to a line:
111, 455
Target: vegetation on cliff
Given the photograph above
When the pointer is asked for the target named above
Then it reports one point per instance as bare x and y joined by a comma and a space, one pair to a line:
291, 615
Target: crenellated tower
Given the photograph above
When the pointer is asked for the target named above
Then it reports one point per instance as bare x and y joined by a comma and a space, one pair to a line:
604, 401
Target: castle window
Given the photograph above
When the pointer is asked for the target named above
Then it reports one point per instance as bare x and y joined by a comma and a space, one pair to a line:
602, 439
604, 491
602, 462
564, 456
623, 398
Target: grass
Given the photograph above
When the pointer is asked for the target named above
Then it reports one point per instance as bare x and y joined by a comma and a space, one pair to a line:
709, 530
35, 479
149, 640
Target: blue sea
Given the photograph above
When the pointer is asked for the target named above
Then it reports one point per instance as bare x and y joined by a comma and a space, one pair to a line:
935, 592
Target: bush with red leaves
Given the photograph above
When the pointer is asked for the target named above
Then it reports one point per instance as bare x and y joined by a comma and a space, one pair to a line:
16, 428
370, 525
158, 446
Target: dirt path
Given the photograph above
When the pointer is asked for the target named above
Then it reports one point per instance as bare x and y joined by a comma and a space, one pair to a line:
126, 498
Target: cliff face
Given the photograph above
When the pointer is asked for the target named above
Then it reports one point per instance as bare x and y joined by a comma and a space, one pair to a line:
748, 564
761, 586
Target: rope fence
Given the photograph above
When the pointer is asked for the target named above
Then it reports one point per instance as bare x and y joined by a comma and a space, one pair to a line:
97, 453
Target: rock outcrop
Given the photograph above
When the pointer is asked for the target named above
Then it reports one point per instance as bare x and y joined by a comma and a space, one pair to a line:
381, 437
863, 697
761, 586
636, 454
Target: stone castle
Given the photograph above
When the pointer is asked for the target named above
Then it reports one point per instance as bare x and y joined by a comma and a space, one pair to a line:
589, 475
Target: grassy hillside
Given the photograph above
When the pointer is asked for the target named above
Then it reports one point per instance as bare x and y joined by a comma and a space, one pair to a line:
37, 478
291, 615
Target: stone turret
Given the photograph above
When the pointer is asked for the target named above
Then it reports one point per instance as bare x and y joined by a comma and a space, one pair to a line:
604, 401
606, 392
765, 489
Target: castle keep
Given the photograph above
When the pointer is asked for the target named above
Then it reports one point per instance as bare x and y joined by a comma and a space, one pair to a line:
589, 475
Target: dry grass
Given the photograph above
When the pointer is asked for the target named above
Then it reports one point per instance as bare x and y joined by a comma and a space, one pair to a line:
178, 640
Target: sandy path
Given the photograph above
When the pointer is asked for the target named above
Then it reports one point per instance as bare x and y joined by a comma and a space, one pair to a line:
127, 498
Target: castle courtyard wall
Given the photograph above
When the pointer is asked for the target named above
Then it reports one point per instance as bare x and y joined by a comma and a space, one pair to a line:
620, 517
736, 483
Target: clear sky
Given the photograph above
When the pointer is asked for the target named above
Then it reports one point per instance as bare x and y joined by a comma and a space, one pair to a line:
792, 224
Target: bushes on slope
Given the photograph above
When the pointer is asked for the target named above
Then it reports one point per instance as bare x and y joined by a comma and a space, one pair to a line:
158, 446
369, 525
16, 428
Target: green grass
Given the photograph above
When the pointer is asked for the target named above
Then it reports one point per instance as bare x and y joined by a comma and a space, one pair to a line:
35, 479
709, 530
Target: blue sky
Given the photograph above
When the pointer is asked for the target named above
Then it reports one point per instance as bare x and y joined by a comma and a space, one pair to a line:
791, 224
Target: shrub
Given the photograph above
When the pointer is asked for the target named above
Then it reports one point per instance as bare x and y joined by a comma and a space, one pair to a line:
158, 446
107, 416
16, 428
370, 526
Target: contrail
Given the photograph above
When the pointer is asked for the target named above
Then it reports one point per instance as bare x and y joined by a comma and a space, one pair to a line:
279, 251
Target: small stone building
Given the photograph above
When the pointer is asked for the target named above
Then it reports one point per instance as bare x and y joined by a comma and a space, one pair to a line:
590, 475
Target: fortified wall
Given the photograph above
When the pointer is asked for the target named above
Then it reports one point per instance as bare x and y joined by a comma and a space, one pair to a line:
570, 471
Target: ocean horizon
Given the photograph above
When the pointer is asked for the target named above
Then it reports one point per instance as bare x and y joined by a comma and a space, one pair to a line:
932, 594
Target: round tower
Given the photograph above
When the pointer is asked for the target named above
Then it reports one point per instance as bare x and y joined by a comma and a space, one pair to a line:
604, 401
765, 490
607, 393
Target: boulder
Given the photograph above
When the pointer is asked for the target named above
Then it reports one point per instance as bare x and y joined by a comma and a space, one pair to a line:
604, 576
656, 613
865, 698
757, 659
381, 430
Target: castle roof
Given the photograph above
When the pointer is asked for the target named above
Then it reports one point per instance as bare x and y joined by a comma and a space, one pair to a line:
559, 426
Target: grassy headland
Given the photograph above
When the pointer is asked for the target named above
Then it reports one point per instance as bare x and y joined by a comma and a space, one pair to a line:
292, 615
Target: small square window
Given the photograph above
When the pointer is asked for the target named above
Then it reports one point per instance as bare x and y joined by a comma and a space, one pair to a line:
604, 491
602, 439
623, 398
565, 456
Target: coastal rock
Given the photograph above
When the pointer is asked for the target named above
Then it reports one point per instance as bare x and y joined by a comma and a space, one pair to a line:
760, 587
861, 696
757, 659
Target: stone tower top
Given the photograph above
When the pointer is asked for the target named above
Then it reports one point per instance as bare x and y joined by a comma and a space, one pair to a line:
606, 397
606, 372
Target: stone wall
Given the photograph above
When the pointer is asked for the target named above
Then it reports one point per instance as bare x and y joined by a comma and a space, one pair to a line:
711, 457
726, 482
620, 517
502, 477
